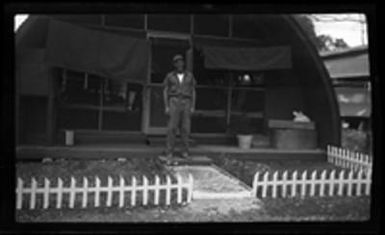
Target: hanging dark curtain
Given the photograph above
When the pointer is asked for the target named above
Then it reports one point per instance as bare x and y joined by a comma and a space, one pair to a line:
247, 59
31, 71
97, 52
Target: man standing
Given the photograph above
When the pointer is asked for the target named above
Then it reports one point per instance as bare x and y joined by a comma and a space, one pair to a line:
179, 100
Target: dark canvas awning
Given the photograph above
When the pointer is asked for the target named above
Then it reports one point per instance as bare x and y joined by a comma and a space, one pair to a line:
98, 52
247, 58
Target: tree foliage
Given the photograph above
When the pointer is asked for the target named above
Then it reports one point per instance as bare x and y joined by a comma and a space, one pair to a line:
322, 42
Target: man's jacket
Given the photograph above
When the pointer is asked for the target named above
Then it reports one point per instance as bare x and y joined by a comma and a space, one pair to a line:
179, 89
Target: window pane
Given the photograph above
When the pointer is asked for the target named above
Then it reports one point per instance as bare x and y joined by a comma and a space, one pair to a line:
217, 99
122, 120
157, 118
247, 101
248, 79
77, 88
239, 124
33, 112
122, 105
163, 50
89, 19
122, 95
208, 125
205, 76
77, 118
243, 27
169, 22
128, 20
217, 25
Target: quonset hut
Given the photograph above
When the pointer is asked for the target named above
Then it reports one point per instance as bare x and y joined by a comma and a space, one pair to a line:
100, 75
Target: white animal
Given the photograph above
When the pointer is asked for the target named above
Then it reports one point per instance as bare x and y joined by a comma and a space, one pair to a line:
300, 117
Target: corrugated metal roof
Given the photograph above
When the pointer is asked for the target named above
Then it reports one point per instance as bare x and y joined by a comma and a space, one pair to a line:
347, 63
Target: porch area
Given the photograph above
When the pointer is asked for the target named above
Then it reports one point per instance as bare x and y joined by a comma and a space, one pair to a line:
115, 151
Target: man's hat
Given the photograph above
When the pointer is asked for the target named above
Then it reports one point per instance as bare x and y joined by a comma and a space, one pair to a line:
177, 57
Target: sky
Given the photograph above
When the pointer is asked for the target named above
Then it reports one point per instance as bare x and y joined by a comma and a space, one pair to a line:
19, 19
349, 31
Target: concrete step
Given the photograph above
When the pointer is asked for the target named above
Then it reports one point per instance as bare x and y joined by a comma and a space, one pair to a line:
192, 160
212, 182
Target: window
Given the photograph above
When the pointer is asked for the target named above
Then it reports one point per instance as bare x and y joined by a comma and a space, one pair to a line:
170, 22
122, 105
135, 21
91, 102
217, 25
232, 94
79, 88
208, 76
163, 50
86, 19
244, 27
33, 119
248, 79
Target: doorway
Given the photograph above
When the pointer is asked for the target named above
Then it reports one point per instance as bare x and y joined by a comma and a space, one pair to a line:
163, 49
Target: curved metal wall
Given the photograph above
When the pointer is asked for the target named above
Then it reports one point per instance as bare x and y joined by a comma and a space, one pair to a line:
319, 94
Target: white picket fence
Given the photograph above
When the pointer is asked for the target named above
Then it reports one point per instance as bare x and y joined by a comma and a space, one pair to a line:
349, 159
120, 188
317, 183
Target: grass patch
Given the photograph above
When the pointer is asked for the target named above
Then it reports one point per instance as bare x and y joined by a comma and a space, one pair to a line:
245, 170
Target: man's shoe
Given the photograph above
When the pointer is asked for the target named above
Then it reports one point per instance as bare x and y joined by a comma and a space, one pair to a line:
169, 158
185, 155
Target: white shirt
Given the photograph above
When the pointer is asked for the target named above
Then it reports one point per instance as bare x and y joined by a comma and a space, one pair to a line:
180, 77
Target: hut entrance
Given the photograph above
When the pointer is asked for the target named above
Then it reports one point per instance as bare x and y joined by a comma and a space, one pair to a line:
163, 49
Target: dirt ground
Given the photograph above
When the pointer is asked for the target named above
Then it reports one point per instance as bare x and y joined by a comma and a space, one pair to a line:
235, 210
289, 209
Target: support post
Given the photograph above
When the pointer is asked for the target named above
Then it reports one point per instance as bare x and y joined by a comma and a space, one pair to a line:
51, 106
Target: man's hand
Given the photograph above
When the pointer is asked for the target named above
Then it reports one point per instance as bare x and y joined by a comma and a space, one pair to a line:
167, 110
192, 109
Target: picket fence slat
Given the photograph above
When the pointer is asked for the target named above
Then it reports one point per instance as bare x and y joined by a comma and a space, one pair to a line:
97, 192
179, 188
294, 184
322, 186
313, 183
109, 192
46, 193
33, 193
72, 193
19, 193
85, 193
59, 193
275, 177
190, 188
145, 191
264, 186
303, 183
121, 191
133, 192
168, 190
156, 193
85, 188
284, 186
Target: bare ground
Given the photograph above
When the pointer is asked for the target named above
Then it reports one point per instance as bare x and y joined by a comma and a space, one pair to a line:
289, 209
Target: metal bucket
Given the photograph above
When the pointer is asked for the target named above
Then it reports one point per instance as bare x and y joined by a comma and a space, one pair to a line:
244, 141
69, 137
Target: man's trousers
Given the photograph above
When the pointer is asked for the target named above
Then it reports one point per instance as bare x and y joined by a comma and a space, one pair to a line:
179, 119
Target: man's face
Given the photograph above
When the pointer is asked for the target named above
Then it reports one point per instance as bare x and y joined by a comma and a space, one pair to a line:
179, 65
